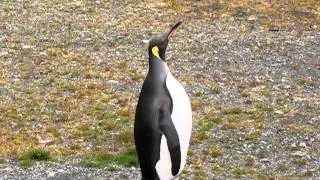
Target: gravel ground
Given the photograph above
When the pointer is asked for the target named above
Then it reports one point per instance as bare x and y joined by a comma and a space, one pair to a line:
66, 169
254, 87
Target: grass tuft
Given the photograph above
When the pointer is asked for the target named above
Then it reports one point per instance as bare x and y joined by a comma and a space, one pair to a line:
282, 167
249, 161
128, 159
215, 152
215, 88
301, 162
216, 120
217, 168
241, 12
54, 131
238, 172
126, 136
234, 110
35, 154
26, 164
245, 93
201, 136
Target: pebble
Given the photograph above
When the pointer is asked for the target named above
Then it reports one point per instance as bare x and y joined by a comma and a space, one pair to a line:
3, 53
303, 145
113, 82
264, 160
252, 18
298, 153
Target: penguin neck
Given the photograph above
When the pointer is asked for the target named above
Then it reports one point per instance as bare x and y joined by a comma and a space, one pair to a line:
157, 65
158, 70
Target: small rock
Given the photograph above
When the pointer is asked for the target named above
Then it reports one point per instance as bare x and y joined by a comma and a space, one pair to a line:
293, 145
258, 44
61, 171
279, 112
3, 53
303, 145
114, 82
287, 87
263, 142
45, 141
27, 47
274, 29
264, 160
43, 54
145, 41
51, 174
310, 122
298, 154
252, 18
8, 169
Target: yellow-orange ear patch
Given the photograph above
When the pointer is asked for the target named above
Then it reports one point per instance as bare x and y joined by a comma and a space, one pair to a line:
155, 51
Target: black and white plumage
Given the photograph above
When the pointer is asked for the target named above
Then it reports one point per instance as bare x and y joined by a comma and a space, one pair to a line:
163, 120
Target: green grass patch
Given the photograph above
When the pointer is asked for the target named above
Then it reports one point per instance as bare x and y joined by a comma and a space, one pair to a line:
266, 92
216, 120
234, 110
301, 162
126, 136
217, 168
241, 12
201, 136
2, 161
26, 163
245, 93
215, 152
196, 104
206, 126
35, 154
261, 106
282, 167
200, 175
238, 172
54, 131
128, 159
253, 136
215, 88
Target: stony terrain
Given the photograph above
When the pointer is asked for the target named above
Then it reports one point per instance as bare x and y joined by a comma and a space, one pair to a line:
70, 75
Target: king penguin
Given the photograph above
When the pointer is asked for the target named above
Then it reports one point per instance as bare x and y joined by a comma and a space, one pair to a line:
163, 119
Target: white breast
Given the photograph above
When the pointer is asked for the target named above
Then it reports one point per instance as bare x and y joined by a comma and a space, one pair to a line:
182, 120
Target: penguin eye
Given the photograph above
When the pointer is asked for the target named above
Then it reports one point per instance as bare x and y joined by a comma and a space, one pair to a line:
155, 51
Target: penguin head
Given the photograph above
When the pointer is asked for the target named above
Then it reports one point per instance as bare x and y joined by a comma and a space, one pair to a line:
158, 44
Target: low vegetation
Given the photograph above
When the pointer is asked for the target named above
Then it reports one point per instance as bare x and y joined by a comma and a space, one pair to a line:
34, 154
128, 158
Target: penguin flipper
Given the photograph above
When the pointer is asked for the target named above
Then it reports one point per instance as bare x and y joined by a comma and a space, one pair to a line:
168, 129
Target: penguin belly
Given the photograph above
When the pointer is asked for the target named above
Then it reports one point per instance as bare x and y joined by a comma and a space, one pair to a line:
182, 119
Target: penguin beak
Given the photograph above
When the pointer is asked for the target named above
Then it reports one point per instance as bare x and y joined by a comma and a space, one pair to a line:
173, 28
